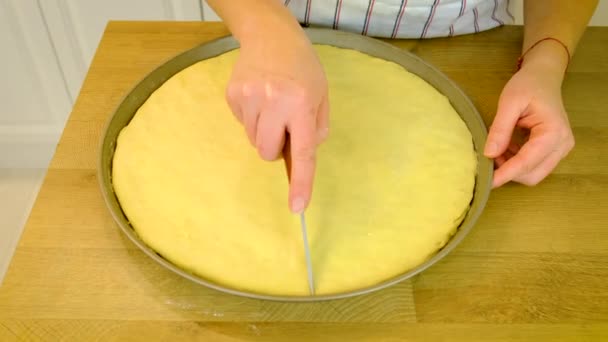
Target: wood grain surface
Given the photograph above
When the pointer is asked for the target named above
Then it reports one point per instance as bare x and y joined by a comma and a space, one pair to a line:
534, 268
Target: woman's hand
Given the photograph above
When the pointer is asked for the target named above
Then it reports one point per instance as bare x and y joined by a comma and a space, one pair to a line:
532, 101
278, 86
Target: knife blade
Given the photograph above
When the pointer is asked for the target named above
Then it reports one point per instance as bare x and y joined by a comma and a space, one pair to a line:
287, 159
311, 281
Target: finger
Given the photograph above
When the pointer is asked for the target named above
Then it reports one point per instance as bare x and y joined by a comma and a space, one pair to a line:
233, 94
270, 136
541, 171
250, 120
251, 102
508, 112
323, 121
508, 154
500, 160
303, 147
529, 156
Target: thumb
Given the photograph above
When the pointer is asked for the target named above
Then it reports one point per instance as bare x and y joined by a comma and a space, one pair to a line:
508, 112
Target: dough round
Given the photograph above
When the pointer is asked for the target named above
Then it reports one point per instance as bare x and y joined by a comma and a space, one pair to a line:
394, 180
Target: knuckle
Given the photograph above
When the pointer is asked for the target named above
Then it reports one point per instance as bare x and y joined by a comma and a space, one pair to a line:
240, 88
527, 167
565, 141
565, 133
322, 134
266, 153
531, 183
570, 143
302, 98
300, 93
231, 92
530, 180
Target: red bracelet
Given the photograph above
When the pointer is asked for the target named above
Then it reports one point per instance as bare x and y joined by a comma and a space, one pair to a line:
520, 60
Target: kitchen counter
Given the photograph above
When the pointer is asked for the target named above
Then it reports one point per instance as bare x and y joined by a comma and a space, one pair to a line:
534, 268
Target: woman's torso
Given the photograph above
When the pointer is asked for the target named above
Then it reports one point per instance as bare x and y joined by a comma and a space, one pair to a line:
403, 18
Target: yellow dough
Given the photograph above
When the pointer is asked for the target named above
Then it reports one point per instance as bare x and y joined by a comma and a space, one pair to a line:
393, 181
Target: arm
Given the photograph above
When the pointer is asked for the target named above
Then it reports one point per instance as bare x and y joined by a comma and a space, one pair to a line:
561, 19
532, 98
277, 87
247, 19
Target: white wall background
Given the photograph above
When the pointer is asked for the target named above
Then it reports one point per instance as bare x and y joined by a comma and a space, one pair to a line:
33, 96
76, 26
47, 48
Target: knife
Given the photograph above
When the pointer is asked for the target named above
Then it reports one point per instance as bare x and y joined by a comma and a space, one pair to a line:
287, 159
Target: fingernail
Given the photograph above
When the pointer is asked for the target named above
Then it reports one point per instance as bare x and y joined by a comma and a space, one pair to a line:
491, 148
297, 205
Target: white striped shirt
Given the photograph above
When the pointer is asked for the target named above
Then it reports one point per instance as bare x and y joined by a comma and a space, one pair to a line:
403, 18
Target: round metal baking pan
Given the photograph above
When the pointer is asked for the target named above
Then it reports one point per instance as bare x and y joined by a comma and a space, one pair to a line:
138, 95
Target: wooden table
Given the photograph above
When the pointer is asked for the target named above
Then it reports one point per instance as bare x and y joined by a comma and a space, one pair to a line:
534, 268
